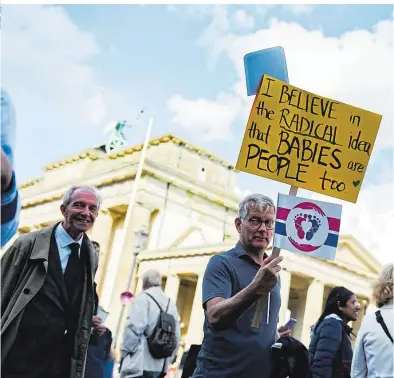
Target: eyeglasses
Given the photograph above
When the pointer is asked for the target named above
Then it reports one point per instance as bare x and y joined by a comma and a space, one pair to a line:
257, 222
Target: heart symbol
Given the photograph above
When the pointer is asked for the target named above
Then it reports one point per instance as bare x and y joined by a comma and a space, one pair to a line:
306, 226
356, 183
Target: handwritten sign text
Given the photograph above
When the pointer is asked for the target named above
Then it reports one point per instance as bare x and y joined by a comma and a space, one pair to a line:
308, 141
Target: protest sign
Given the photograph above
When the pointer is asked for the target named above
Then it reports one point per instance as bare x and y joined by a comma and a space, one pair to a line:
307, 226
308, 141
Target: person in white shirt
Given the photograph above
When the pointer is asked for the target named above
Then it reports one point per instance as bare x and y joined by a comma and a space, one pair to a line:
137, 360
374, 354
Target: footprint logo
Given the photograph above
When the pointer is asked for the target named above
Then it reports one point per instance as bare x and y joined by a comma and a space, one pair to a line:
315, 222
298, 219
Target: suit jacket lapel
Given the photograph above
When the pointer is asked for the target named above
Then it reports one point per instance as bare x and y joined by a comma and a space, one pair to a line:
92, 258
56, 267
41, 250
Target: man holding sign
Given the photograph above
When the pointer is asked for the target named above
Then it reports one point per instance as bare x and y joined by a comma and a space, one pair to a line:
233, 282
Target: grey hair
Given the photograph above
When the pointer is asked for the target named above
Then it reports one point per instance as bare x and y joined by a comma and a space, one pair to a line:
255, 201
69, 192
151, 277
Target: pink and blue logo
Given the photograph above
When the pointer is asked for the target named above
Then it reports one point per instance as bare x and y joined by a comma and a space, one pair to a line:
309, 227
126, 297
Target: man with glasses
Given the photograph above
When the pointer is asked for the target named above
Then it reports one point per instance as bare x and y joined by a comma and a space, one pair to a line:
233, 282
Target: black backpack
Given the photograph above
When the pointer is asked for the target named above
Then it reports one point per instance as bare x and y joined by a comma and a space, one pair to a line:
289, 358
162, 342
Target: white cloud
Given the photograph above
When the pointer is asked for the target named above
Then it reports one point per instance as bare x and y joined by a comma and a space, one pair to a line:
371, 220
48, 70
339, 68
45, 54
241, 193
298, 9
209, 119
192, 10
355, 68
242, 20
215, 34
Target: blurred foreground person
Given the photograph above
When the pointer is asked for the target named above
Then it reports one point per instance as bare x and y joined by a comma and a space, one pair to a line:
100, 359
330, 348
10, 201
374, 353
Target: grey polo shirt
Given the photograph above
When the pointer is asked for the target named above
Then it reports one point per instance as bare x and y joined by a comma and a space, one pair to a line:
240, 350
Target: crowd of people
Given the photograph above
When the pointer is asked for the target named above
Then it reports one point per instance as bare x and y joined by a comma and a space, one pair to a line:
235, 280
51, 328
49, 308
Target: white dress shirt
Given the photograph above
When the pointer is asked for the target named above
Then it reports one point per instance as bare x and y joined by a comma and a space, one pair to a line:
63, 241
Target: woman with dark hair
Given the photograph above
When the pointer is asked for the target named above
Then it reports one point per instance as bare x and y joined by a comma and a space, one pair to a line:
330, 348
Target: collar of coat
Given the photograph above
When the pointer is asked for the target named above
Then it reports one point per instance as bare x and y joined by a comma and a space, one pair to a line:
348, 329
41, 244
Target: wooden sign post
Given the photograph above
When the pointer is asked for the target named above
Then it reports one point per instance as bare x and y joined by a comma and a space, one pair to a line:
307, 141
263, 301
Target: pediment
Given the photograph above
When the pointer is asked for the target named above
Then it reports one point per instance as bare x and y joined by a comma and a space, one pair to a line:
192, 236
353, 255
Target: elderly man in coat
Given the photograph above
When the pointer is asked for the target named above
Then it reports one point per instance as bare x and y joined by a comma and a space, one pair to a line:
47, 294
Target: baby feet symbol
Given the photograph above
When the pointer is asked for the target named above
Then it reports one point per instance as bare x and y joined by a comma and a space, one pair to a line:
315, 222
298, 219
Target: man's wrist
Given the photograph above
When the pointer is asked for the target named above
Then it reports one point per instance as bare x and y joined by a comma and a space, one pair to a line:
253, 292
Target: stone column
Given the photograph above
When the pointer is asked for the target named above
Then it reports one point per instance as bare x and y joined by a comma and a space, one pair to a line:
140, 220
138, 288
285, 280
195, 331
313, 308
102, 234
172, 286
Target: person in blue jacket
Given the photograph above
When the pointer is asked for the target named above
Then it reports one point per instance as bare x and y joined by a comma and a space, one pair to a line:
330, 349
99, 357
10, 201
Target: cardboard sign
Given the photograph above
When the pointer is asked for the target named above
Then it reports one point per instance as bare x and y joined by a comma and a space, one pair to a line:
308, 141
307, 227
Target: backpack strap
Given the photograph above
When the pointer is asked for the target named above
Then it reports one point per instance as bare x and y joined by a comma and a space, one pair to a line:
161, 310
155, 301
168, 305
380, 320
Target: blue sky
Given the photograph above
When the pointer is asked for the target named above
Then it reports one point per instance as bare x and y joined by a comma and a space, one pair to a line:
79, 66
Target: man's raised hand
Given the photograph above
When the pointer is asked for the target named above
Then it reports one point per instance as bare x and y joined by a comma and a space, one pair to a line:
266, 277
